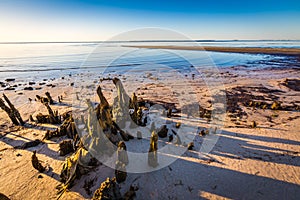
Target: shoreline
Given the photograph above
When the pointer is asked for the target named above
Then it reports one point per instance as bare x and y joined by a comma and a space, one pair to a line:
250, 50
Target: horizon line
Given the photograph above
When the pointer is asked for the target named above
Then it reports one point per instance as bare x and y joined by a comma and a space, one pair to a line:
116, 41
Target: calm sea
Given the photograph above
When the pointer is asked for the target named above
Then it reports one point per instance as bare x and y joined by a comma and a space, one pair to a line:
36, 61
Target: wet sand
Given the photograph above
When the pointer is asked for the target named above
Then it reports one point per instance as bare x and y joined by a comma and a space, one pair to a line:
250, 50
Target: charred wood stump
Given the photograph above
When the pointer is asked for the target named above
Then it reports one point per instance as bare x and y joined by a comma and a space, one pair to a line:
105, 119
66, 147
121, 105
49, 98
120, 172
103, 111
67, 128
109, 189
51, 118
152, 153
3, 197
163, 131
11, 111
36, 163
122, 153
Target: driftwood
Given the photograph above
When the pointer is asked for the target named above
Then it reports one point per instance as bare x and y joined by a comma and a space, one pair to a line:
11, 111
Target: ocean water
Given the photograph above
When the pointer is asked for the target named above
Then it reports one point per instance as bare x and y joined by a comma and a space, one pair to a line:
36, 61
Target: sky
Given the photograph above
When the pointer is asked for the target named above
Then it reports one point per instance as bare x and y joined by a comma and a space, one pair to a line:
98, 20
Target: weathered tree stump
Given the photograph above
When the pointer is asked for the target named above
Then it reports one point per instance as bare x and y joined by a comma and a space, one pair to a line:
152, 153
120, 172
109, 189
66, 147
51, 118
122, 153
11, 111
49, 98
163, 131
36, 163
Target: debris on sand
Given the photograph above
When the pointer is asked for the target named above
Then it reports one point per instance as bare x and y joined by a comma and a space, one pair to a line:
53, 133
11, 111
36, 163
109, 189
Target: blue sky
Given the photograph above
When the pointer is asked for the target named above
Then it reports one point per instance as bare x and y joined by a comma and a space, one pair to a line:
37, 20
